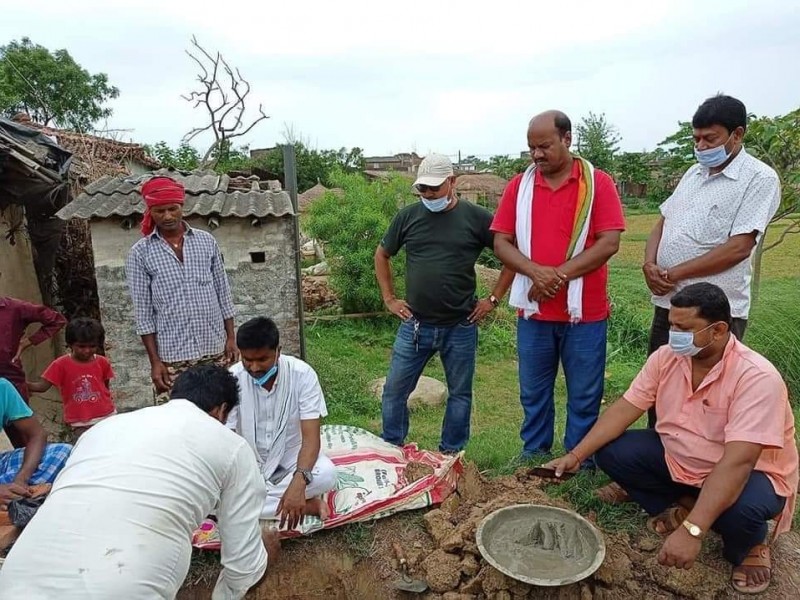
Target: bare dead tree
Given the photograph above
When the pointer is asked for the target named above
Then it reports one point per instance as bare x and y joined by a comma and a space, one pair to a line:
225, 105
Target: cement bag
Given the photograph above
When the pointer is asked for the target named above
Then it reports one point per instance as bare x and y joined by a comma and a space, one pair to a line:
375, 479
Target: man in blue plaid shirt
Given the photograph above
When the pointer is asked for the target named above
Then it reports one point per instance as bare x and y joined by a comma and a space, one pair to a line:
35, 463
181, 296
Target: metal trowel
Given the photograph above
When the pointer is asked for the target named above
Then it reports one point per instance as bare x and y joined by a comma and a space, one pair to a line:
406, 583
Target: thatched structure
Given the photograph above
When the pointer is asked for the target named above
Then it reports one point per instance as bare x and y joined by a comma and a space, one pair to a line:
483, 188
34, 175
307, 198
63, 255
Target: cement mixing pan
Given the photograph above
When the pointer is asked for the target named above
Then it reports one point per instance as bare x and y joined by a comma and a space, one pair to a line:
540, 545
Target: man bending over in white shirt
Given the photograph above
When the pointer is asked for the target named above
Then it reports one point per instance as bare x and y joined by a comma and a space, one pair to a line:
279, 416
119, 519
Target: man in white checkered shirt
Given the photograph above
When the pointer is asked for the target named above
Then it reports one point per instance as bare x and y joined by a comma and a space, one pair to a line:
709, 226
181, 296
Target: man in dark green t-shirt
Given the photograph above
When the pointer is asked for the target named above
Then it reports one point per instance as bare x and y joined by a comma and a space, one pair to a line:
443, 238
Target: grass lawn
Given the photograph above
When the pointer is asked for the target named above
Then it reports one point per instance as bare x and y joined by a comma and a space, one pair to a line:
349, 354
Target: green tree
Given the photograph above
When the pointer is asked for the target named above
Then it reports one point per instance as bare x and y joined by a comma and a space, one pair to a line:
669, 161
314, 166
506, 167
183, 158
597, 141
51, 87
776, 141
632, 167
351, 225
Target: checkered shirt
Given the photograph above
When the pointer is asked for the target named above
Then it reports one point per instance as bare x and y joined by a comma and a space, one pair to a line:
184, 303
53, 460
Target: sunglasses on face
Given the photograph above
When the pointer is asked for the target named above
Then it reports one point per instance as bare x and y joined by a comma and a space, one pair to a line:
422, 188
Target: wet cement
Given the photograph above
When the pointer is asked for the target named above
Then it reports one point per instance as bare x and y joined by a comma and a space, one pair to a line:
550, 545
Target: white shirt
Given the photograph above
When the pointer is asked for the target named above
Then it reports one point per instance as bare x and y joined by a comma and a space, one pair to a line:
310, 405
120, 517
705, 210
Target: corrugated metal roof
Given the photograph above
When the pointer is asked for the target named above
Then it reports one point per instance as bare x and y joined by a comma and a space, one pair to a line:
206, 194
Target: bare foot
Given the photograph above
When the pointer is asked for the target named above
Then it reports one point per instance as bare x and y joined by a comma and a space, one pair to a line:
272, 542
315, 507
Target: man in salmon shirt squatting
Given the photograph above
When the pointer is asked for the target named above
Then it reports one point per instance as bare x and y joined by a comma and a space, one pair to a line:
557, 226
722, 455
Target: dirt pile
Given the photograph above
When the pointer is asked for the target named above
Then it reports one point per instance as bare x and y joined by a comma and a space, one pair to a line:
317, 293
358, 563
455, 569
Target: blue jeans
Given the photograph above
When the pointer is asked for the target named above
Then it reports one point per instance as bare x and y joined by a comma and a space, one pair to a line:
635, 460
457, 346
581, 349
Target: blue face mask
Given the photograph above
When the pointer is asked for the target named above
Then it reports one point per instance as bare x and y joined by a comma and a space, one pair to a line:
268, 375
437, 205
682, 342
713, 157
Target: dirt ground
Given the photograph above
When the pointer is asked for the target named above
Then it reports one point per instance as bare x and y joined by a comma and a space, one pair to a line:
359, 564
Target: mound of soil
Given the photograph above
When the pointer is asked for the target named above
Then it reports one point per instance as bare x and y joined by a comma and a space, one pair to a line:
317, 294
440, 548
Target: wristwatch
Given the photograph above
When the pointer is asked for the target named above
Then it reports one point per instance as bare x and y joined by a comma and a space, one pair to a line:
693, 530
308, 476
493, 299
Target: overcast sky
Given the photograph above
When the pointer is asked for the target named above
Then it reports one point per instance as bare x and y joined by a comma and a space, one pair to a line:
426, 75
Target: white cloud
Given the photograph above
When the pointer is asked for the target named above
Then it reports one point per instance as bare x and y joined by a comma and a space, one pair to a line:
430, 75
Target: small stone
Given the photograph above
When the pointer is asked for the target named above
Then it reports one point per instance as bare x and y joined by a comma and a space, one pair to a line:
442, 570
429, 392
453, 543
615, 570
470, 566
649, 544
473, 586
501, 595
418, 545
586, 592
439, 527
458, 596
633, 587
451, 504
697, 583
493, 580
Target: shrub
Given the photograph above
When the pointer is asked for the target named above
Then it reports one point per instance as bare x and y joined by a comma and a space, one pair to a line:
351, 226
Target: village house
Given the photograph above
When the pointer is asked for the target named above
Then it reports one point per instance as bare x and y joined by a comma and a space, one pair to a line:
253, 223
405, 162
485, 189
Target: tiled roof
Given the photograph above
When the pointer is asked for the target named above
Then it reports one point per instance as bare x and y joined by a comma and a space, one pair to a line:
207, 193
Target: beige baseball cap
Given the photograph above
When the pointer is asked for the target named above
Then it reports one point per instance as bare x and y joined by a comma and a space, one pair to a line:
433, 170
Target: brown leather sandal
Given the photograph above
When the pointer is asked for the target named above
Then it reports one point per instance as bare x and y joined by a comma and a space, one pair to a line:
757, 557
612, 493
668, 521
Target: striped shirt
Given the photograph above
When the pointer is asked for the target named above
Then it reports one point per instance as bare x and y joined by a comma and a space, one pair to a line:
184, 303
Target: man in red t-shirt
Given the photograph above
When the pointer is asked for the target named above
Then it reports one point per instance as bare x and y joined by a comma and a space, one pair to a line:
548, 334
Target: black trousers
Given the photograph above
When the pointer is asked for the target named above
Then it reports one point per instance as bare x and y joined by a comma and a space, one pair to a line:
635, 460
659, 336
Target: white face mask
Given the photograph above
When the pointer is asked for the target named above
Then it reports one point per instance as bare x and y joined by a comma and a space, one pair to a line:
682, 342
437, 205
713, 157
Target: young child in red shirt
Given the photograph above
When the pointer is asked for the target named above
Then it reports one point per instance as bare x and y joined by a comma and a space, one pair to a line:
82, 377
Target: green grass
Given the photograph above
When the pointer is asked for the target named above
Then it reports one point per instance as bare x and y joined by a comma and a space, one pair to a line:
349, 354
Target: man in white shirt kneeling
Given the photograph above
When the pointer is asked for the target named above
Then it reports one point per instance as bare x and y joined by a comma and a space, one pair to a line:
119, 519
279, 416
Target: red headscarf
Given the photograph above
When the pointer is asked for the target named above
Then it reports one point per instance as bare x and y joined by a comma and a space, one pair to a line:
157, 192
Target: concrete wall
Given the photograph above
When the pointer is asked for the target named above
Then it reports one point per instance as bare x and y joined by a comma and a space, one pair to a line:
266, 288
18, 280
